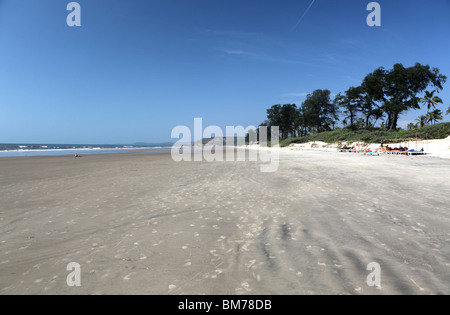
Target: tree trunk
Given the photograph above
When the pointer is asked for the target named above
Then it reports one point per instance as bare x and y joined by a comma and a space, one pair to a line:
394, 122
367, 120
375, 123
389, 119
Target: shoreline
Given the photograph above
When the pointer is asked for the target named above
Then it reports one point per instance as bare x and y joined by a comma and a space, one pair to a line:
81, 153
433, 148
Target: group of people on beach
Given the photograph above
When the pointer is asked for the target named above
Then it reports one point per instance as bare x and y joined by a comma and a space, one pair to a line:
388, 149
400, 149
384, 149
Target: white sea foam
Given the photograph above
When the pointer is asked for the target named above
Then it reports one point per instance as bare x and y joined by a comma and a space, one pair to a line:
49, 151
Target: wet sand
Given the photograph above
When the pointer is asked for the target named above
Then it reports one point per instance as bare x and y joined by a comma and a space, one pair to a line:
143, 224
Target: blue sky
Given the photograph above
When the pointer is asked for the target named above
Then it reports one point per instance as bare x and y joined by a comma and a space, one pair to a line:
136, 69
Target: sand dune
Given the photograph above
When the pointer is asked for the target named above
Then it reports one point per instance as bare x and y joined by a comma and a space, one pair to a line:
142, 224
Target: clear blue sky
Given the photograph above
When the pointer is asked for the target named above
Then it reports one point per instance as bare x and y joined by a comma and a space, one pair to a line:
136, 69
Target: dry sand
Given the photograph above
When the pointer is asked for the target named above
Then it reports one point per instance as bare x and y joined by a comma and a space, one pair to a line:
142, 224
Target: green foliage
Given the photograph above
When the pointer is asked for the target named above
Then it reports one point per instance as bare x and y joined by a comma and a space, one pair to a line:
383, 94
319, 112
349, 106
438, 131
430, 100
287, 117
397, 89
412, 126
422, 121
435, 116
360, 99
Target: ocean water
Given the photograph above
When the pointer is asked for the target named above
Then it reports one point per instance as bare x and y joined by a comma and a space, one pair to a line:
14, 150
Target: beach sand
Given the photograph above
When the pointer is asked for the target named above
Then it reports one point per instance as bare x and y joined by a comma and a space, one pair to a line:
143, 224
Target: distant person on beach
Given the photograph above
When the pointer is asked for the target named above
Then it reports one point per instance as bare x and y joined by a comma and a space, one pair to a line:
77, 155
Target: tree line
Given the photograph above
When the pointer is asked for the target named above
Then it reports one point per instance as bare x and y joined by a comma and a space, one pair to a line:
382, 96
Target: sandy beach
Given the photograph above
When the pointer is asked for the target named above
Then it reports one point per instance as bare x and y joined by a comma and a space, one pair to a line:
143, 224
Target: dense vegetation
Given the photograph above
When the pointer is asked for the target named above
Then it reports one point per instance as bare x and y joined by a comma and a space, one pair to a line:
438, 131
368, 112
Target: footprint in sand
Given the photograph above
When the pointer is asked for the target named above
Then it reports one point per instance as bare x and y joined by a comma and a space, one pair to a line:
245, 287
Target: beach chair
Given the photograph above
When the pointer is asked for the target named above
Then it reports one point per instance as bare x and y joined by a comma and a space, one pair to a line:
373, 152
414, 152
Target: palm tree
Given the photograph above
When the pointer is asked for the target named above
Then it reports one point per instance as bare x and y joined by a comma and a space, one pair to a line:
412, 126
430, 100
435, 116
422, 121
448, 111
